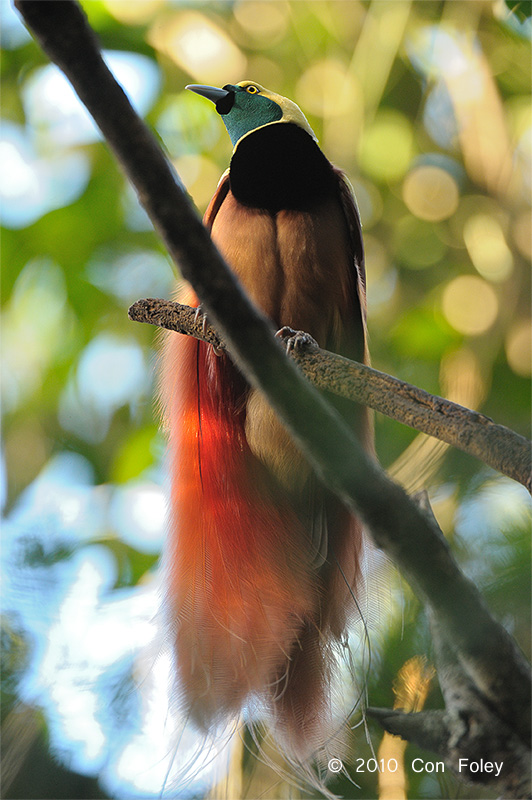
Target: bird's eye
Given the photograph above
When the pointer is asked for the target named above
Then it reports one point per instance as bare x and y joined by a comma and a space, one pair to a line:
252, 89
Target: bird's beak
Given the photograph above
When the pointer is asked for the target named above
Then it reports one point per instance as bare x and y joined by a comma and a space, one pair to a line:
223, 99
210, 92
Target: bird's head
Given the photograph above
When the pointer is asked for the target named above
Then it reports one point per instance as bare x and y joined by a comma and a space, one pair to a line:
247, 106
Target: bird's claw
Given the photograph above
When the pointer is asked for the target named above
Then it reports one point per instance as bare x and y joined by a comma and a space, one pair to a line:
299, 341
203, 314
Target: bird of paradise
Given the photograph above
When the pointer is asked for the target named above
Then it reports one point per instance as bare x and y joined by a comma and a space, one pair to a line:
263, 561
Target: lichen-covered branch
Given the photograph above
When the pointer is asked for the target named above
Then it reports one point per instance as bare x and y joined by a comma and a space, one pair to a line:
175, 317
495, 445
469, 737
469, 734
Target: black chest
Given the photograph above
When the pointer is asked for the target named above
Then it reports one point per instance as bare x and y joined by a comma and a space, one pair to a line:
281, 167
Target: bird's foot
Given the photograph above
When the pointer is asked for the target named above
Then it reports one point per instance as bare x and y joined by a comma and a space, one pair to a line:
200, 314
296, 341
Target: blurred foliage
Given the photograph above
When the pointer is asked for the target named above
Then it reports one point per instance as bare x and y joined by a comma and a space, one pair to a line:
522, 8
426, 106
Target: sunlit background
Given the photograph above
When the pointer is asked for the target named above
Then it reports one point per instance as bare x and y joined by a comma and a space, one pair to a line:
426, 105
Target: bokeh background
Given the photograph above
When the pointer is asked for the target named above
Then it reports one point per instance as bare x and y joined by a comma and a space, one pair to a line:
426, 105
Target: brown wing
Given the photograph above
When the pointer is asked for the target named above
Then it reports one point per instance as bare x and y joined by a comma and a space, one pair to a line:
361, 415
352, 217
354, 225
217, 199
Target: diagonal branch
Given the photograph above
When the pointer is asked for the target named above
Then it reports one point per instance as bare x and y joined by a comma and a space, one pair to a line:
494, 662
468, 733
495, 445
454, 737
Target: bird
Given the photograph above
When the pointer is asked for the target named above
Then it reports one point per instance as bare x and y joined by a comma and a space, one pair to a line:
262, 564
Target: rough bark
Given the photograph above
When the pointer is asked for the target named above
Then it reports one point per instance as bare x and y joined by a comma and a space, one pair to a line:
474, 433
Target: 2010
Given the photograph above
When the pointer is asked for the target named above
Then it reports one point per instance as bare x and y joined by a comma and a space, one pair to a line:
374, 765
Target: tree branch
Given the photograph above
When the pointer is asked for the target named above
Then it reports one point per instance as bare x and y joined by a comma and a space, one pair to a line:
467, 733
454, 737
475, 434
494, 663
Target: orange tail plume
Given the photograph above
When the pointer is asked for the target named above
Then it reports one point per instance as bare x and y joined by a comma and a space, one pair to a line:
239, 585
249, 614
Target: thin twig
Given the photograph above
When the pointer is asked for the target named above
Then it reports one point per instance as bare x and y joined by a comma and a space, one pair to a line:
475, 434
